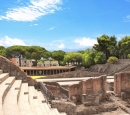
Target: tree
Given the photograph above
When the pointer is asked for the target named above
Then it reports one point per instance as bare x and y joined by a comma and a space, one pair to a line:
16, 50
88, 58
124, 47
3, 51
73, 57
67, 58
35, 52
100, 58
27, 55
106, 44
58, 55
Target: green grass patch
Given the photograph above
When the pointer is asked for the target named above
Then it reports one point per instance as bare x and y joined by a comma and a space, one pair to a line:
37, 77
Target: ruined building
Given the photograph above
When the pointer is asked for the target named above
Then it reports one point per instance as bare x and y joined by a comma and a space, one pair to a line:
122, 85
90, 91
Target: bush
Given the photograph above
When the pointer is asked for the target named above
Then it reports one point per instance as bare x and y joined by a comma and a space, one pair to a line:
112, 59
128, 56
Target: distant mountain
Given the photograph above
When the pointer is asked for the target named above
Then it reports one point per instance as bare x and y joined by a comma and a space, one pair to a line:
71, 50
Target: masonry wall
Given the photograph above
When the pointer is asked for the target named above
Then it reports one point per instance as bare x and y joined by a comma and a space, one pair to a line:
122, 83
92, 86
54, 89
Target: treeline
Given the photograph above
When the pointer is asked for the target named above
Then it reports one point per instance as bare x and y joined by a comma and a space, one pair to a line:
107, 47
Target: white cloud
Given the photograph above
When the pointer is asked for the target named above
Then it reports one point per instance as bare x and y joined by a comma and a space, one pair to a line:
6, 41
127, 18
34, 25
61, 46
33, 11
52, 28
128, 0
85, 41
51, 44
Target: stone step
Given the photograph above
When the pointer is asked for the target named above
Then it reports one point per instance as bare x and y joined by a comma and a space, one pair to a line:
34, 101
1, 71
4, 88
45, 107
54, 111
62, 113
10, 106
41, 97
3, 77
23, 102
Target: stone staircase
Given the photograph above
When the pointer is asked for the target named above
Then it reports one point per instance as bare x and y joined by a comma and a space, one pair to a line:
18, 98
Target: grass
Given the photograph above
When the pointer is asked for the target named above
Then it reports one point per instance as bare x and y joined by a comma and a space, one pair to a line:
37, 77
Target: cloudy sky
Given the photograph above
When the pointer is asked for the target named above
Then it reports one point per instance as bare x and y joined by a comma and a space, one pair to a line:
62, 24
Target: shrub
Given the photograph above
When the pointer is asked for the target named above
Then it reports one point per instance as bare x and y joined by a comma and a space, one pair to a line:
112, 59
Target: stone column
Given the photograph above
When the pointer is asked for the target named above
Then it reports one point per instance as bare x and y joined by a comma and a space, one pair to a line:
33, 72
117, 86
29, 72
49, 72
104, 86
42, 72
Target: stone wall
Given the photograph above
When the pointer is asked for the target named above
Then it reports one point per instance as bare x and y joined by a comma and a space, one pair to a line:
9, 67
110, 69
62, 90
62, 106
122, 84
54, 89
94, 88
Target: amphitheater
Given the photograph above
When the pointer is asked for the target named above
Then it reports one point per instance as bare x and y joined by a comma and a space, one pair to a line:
21, 95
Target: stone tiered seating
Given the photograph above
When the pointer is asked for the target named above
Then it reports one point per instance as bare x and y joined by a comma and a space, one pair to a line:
17, 98
4, 88
3, 76
10, 106
23, 102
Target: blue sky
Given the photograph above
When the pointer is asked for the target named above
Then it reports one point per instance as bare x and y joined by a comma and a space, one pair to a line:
62, 24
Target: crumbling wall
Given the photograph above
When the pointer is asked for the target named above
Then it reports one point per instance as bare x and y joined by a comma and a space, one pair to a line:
62, 106
62, 89
54, 89
9, 67
122, 84
92, 88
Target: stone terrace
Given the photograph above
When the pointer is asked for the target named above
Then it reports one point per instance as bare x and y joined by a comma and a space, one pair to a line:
18, 95
17, 98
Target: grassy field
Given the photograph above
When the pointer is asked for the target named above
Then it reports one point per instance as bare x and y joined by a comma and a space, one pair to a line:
37, 77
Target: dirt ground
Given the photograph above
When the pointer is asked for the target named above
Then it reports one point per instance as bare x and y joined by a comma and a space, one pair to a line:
106, 108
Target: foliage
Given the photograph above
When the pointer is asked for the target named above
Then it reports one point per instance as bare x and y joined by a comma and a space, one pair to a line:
100, 58
106, 44
124, 46
88, 58
2, 51
112, 59
106, 47
58, 55
73, 57
62, 63
128, 56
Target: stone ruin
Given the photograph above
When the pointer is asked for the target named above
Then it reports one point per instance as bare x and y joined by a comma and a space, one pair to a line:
8, 66
89, 92
122, 85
